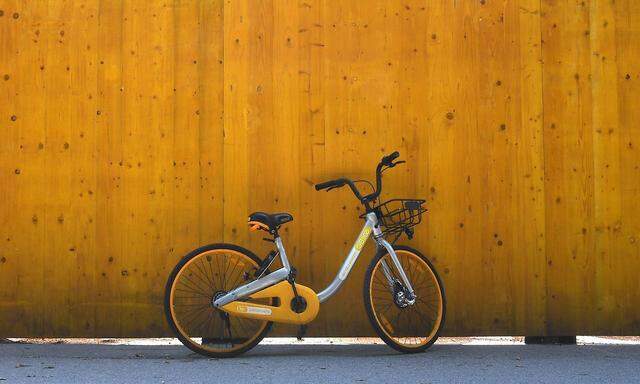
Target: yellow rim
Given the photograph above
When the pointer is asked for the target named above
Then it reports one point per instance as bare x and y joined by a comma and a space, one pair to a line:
387, 324
244, 262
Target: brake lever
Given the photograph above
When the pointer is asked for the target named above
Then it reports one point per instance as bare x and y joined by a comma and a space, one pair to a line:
391, 165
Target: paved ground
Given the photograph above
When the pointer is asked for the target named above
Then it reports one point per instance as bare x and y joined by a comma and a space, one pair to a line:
445, 363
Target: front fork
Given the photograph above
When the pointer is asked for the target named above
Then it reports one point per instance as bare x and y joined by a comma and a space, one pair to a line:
410, 294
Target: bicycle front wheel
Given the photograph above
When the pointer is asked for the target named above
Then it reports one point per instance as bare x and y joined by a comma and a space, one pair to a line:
198, 279
405, 327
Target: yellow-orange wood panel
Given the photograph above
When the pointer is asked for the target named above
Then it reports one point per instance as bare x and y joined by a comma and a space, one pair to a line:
135, 131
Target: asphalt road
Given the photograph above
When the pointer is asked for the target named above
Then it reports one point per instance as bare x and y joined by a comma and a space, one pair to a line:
64, 363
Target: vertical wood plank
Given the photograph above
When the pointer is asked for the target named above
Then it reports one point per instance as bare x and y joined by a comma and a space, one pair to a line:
311, 120
609, 288
624, 259
569, 169
23, 168
110, 131
211, 119
529, 258
236, 158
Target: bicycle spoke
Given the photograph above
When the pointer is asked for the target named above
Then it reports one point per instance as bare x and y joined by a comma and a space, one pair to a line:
217, 273
429, 319
191, 305
191, 291
202, 323
212, 274
195, 286
232, 271
226, 267
206, 276
387, 308
241, 272
202, 278
191, 317
210, 324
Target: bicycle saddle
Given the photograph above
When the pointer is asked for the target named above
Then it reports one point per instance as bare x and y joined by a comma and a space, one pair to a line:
271, 220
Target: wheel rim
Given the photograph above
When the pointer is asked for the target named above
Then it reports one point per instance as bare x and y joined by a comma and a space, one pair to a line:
415, 325
204, 277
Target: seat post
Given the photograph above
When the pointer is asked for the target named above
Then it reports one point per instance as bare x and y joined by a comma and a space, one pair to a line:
283, 255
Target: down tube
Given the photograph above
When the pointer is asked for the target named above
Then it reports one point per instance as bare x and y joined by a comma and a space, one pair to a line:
350, 260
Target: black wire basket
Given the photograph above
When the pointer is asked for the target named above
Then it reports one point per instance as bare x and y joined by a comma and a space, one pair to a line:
398, 215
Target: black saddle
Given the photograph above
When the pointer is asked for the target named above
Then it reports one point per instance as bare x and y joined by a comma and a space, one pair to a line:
271, 220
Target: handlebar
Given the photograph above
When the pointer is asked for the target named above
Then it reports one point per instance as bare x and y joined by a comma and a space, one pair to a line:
385, 162
337, 183
388, 160
330, 184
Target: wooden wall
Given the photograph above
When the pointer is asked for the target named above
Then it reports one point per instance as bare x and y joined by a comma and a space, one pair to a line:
134, 131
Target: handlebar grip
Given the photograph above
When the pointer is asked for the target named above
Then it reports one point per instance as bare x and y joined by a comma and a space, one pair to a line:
330, 184
387, 160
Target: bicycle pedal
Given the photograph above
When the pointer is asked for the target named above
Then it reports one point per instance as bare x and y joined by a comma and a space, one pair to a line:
301, 332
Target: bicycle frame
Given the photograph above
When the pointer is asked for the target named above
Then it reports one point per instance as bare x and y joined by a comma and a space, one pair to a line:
371, 227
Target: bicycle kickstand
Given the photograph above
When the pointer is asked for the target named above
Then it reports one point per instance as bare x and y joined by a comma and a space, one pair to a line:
299, 304
301, 332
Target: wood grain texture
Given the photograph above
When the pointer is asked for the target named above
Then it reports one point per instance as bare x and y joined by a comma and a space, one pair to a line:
133, 132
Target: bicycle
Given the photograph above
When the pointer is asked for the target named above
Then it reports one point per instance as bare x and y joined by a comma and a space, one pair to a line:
221, 299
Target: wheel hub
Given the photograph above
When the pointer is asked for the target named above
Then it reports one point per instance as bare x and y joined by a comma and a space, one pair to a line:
216, 296
401, 297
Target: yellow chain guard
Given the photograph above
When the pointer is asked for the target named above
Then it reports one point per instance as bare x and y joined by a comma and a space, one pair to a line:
281, 314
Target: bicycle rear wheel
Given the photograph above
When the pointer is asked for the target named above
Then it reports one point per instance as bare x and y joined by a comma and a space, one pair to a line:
199, 278
408, 328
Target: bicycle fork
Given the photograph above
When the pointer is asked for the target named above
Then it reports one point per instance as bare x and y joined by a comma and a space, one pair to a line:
411, 296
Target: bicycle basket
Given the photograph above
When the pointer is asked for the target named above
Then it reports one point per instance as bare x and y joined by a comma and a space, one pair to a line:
396, 215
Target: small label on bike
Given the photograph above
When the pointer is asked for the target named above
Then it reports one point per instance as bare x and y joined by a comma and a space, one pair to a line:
364, 236
355, 251
344, 272
254, 310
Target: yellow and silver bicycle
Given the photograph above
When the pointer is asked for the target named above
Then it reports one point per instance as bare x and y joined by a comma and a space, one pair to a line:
221, 299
